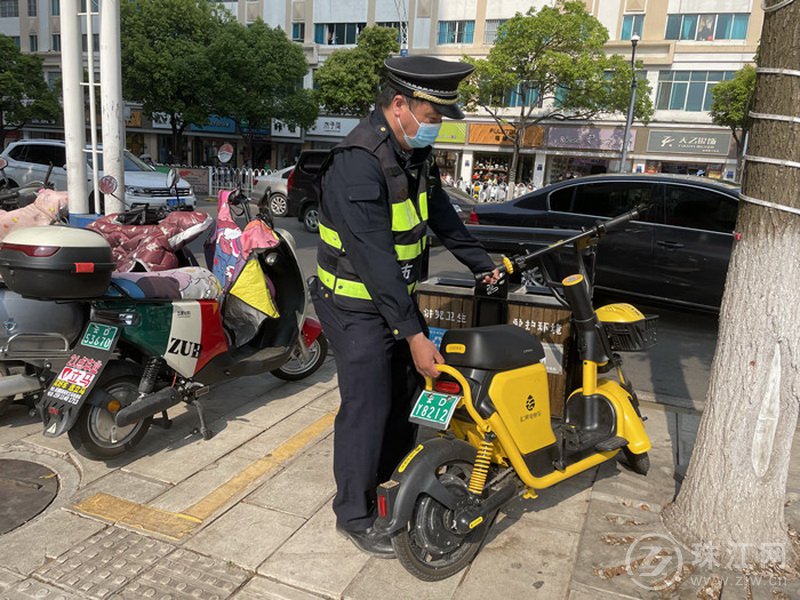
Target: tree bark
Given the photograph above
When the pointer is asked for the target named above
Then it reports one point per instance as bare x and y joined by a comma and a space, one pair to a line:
733, 496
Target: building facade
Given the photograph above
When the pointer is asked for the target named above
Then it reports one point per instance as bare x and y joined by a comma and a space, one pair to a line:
686, 47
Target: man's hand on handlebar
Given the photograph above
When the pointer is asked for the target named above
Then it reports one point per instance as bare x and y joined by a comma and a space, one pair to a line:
492, 277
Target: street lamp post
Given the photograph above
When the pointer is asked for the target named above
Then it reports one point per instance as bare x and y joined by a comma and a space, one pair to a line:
623, 167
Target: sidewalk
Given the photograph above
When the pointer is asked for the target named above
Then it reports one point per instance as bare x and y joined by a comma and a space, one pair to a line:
247, 515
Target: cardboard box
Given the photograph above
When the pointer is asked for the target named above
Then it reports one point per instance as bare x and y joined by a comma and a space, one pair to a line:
451, 307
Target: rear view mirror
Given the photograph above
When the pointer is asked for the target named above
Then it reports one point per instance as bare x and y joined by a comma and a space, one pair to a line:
225, 153
107, 184
172, 178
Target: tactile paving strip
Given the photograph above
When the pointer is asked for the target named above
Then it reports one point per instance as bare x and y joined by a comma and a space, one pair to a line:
186, 575
30, 589
104, 563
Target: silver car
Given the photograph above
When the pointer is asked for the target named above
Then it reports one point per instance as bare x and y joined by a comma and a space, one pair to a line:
271, 189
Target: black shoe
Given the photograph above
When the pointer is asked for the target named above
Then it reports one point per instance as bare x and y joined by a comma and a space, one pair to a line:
370, 541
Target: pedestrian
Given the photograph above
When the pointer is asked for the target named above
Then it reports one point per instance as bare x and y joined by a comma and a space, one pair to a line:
380, 189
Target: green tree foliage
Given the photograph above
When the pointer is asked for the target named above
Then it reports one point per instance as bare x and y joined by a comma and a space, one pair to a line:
553, 60
166, 63
260, 75
731, 104
24, 94
348, 80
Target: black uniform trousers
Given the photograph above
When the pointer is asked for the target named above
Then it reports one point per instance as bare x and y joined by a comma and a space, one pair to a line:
377, 383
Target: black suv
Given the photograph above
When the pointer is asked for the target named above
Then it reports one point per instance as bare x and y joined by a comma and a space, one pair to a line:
302, 201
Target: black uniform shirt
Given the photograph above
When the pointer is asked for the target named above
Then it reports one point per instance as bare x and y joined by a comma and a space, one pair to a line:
365, 226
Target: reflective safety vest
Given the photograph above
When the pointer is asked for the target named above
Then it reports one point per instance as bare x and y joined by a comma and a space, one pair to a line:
409, 216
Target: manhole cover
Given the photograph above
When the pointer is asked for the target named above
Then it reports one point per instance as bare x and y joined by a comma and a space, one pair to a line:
26, 489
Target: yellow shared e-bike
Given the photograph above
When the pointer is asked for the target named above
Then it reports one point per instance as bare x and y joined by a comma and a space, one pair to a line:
499, 438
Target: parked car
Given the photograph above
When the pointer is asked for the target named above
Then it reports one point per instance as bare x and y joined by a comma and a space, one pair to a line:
271, 190
28, 160
461, 202
677, 253
302, 198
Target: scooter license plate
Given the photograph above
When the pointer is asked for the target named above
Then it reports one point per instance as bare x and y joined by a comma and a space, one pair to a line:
434, 409
99, 336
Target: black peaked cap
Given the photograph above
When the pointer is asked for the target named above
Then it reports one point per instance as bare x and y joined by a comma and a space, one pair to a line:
431, 79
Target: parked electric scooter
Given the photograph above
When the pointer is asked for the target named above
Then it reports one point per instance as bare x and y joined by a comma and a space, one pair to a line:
500, 439
149, 341
12, 198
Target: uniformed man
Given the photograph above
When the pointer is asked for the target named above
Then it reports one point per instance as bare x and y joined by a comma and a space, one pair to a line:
379, 191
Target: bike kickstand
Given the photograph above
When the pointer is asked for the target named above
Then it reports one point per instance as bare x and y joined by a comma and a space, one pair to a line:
204, 431
163, 421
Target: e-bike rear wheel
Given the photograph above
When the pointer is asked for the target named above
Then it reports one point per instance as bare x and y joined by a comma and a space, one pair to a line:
94, 434
429, 547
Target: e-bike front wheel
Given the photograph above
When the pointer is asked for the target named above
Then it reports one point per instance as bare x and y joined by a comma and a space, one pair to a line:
429, 547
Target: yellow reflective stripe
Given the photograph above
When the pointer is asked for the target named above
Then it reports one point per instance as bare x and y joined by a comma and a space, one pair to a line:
327, 279
404, 216
351, 289
423, 206
330, 237
408, 251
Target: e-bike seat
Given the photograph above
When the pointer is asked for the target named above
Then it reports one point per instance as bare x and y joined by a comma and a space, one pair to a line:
493, 348
185, 283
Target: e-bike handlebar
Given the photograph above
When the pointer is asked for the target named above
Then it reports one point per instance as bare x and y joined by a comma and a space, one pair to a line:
526, 261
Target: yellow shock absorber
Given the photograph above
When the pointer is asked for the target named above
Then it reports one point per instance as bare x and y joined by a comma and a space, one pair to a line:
481, 469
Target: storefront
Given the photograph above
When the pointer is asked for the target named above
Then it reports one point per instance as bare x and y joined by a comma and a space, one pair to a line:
490, 153
690, 153
580, 151
286, 145
446, 151
328, 131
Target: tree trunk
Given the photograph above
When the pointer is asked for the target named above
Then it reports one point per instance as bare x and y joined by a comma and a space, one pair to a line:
733, 496
512, 169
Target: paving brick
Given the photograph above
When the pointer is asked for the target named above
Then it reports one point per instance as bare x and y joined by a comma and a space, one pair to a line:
104, 563
31, 589
186, 575
260, 588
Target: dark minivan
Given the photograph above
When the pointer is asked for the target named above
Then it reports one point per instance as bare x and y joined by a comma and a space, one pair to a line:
678, 252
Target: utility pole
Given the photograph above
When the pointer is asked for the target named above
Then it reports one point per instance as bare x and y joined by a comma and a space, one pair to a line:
402, 14
623, 165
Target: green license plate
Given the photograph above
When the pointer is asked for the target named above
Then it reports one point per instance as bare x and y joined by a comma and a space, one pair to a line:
99, 336
434, 409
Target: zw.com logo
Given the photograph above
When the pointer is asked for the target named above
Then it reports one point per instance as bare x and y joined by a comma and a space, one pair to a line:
530, 404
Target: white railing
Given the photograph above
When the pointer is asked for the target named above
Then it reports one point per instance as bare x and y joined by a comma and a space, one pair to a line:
227, 177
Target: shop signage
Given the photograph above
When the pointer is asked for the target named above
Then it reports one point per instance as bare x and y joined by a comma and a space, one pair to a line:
216, 124
281, 129
688, 142
588, 138
135, 119
452, 132
161, 120
332, 126
492, 135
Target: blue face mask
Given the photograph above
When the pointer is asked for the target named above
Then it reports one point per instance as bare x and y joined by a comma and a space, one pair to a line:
425, 136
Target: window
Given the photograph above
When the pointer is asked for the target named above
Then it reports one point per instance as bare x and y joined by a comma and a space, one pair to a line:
33, 8
687, 90
15, 39
95, 42
707, 27
601, 199
46, 154
9, 8
337, 34
698, 208
95, 6
490, 31
298, 32
456, 32
33, 43
55, 7
55, 43
53, 79
522, 95
631, 24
